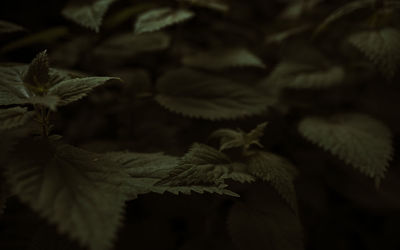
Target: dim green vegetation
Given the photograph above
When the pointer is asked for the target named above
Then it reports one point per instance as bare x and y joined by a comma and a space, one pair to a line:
273, 123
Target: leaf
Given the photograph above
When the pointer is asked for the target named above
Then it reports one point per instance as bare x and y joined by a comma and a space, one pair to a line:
74, 89
223, 58
14, 91
263, 221
87, 13
343, 11
201, 165
121, 16
42, 37
298, 75
296, 9
281, 36
277, 171
381, 46
129, 45
237, 138
211, 4
148, 169
357, 139
7, 27
78, 191
157, 19
14, 117
198, 95
38, 72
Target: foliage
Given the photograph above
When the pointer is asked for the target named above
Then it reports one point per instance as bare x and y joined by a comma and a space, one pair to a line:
190, 124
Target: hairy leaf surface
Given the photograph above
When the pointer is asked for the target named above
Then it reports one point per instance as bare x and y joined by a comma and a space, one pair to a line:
157, 19
79, 191
38, 72
198, 95
357, 139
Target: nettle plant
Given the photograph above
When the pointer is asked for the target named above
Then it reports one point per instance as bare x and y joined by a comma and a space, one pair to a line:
284, 79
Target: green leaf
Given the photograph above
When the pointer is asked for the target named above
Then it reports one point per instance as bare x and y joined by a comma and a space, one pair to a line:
357, 139
223, 58
296, 9
343, 11
7, 27
199, 95
283, 35
299, 75
148, 169
201, 165
381, 46
14, 117
263, 221
129, 45
74, 89
204, 165
237, 138
38, 72
78, 191
277, 171
87, 13
42, 37
218, 5
157, 19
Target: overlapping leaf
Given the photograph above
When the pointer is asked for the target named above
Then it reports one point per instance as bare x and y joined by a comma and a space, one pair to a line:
14, 117
148, 169
13, 89
298, 75
230, 138
157, 19
204, 165
277, 171
381, 46
199, 95
223, 58
357, 139
87, 13
79, 191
